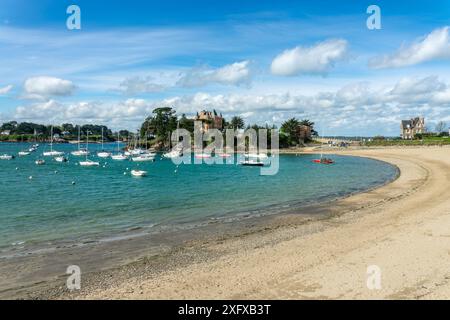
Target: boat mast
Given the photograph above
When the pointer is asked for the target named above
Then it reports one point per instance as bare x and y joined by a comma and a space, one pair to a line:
51, 139
79, 137
118, 138
87, 143
102, 140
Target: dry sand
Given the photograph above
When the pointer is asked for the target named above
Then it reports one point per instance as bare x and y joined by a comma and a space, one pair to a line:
403, 228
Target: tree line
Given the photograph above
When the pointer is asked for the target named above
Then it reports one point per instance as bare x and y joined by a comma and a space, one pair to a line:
28, 131
158, 127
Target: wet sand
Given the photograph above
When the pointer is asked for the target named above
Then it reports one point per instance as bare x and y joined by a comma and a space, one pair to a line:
402, 227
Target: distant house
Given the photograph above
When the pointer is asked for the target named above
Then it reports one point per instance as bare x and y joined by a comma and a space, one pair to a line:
5, 133
210, 120
409, 128
304, 132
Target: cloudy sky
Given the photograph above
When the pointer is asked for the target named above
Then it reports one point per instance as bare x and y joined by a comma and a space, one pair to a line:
264, 60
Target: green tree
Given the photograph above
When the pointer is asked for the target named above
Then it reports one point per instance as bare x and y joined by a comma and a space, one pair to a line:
289, 128
237, 123
160, 124
186, 123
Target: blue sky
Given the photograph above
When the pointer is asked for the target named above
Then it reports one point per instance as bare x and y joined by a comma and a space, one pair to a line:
264, 60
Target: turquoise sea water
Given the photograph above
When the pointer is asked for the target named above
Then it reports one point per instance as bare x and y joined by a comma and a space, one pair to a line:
105, 203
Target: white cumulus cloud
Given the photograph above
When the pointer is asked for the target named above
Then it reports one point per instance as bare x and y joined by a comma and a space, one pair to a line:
44, 87
356, 107
6, 89
318, 59
237, 73
136, 85
435, 45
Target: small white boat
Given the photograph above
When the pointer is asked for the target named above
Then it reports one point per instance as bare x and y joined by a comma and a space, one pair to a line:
172, 154
119, 157
24, 153
144, 157
53, 154
202, 156
61, 159
256, 155
225, 155
252, 163
6, 157
103, 154
80, 153
138, 173
89, 163
40, 162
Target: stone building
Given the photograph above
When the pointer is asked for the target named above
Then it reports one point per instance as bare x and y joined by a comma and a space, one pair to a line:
210, 120
409, 128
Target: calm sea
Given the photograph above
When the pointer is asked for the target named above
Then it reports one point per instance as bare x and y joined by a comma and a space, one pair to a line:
105, 203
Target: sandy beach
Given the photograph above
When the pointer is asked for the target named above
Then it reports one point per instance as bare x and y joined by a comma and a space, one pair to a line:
403, 228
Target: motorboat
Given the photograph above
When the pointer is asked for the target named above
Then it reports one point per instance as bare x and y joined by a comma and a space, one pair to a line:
138, 173
323, 161
89, 163
6, 157
252, 163
61, 159
144, 157
40, 162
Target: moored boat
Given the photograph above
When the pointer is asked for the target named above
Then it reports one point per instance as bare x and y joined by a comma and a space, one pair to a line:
89, 163
138, 173
252, 163
6, 157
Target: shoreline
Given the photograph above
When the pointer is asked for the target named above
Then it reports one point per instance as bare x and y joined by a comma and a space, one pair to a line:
161, 272
232, 218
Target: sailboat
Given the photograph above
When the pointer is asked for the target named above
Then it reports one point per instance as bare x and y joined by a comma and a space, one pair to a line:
119, 156
52, 153
177, 151
144, 155
24, 152
80, 152
103, 153
87, 162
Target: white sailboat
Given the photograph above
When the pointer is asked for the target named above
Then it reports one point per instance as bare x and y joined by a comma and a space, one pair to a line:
177, 151
103, 153
52, 153
80, 152
24, 152
88, 162
119, 156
